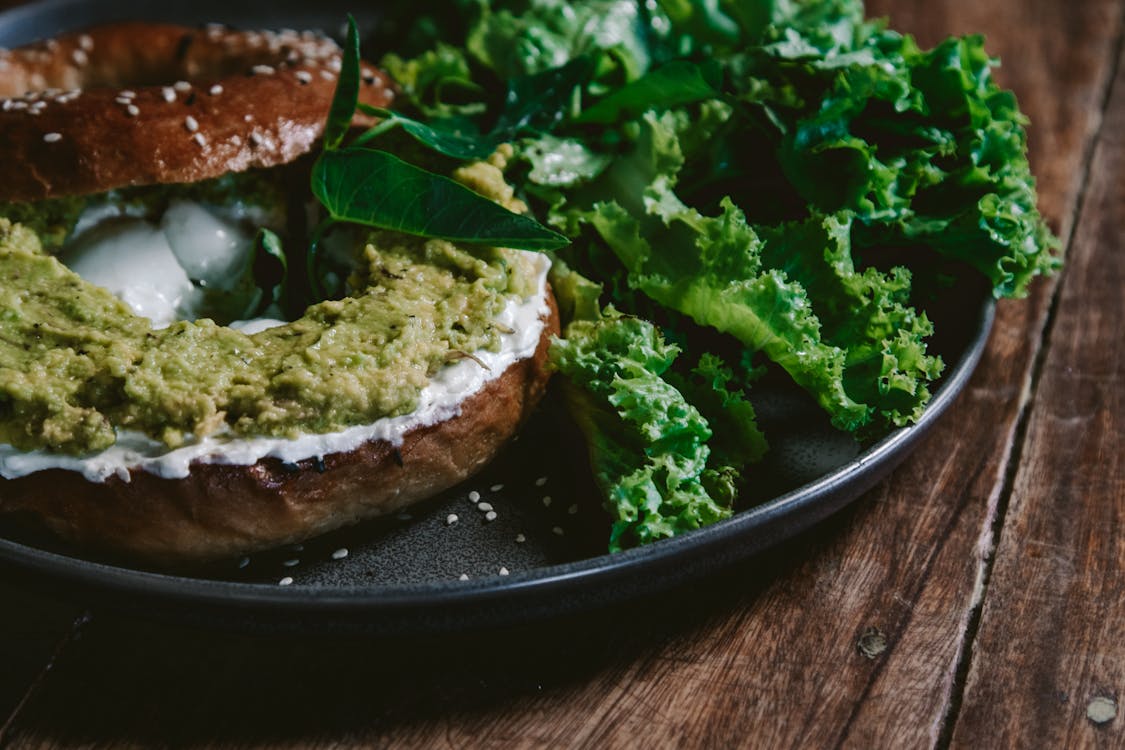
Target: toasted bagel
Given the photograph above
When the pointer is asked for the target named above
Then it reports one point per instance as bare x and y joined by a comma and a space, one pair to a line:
248, 99
221, 510
139, 104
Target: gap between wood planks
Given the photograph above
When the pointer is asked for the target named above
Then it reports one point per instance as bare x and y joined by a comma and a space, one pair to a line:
1027, 398
72, 634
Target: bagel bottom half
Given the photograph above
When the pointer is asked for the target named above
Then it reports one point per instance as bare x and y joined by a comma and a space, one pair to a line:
222, 510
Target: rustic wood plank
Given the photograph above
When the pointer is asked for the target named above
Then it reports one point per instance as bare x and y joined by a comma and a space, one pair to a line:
767, 651
1049, 665
32, 629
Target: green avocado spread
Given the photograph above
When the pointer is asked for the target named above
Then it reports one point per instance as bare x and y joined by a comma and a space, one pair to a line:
76, 364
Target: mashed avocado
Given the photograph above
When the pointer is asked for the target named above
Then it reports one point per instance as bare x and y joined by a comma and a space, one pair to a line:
76, 364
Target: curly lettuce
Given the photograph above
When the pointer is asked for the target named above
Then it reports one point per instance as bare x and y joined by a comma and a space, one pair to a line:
766, 174
648, 446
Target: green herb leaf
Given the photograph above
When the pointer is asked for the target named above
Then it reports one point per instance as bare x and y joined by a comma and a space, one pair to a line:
270, 269
347, 92
377, 189
675, 84
455, 137
535, 102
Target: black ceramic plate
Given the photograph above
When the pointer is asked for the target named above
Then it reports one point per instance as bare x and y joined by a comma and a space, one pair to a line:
450, 564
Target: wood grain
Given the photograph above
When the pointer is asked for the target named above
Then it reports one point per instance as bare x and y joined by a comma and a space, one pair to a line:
767, 654
1052, 639
33, 628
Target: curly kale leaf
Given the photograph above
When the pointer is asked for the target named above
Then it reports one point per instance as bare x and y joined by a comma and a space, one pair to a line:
648, 446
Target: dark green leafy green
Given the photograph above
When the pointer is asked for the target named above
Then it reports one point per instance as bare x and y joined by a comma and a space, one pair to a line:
534, 102
539, 101
375, 188
673, 84
347, 92
763, 172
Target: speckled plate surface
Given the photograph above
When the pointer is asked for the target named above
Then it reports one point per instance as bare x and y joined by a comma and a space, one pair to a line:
523, 541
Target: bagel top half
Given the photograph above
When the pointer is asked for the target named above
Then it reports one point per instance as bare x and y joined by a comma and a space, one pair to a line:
140, 104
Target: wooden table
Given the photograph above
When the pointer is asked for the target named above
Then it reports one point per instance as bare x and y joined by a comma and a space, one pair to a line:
974, 599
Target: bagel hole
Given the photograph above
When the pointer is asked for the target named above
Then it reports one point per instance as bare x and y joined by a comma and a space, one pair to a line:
179, 251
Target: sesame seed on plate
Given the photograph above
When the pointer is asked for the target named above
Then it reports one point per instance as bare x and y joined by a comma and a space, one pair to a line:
474, 497
546, 501
451, 519
520, 538
340, 554
496, 487
557, 531
490, 516
191, 124
572, 510
540, 481
286, 581
463, 577
52, 137
503, 571
484, 507
168, 93
292, 563
215, 90
243, 562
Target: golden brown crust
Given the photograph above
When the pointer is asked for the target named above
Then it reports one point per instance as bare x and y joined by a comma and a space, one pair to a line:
252, 99
222, 510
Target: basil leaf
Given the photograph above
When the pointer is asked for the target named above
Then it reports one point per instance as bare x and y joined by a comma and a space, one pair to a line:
269, 267
455, 137
374, 188
674, 84
347, 92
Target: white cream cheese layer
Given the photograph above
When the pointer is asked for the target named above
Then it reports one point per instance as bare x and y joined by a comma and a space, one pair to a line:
154, 266
438, 401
